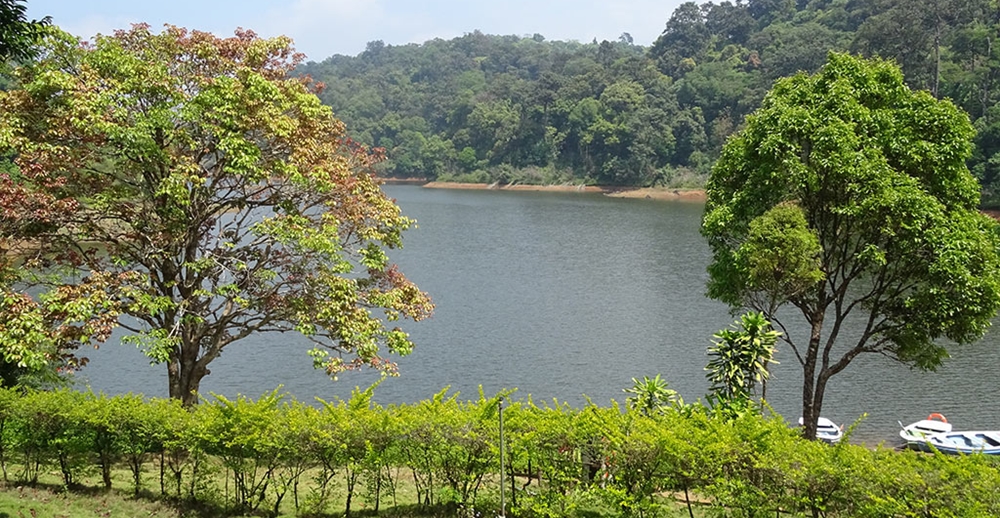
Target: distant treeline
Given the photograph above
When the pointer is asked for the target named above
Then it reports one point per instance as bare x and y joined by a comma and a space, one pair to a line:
524, 109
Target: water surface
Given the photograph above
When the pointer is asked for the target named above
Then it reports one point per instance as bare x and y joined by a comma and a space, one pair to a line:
568, 296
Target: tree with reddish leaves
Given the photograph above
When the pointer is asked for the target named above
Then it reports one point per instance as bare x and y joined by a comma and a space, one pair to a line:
39, 334
217, 193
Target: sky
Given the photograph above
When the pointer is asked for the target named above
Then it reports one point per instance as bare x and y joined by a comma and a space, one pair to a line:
322, 28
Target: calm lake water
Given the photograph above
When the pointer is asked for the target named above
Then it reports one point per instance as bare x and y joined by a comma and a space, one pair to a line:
568, 296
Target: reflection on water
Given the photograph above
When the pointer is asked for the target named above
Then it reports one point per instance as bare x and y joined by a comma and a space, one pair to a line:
568, 297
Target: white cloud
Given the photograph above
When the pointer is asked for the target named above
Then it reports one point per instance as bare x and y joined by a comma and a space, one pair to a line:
91, 25
321, 28
605, 19
643, 20
325, 27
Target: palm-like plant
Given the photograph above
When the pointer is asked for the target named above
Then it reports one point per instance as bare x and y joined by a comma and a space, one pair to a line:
651, 396
740, 358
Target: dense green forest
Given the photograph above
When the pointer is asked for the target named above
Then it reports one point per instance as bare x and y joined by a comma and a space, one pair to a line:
523, 109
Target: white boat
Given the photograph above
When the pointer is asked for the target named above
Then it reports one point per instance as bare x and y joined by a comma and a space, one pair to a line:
916, 434
987, 442
827, 431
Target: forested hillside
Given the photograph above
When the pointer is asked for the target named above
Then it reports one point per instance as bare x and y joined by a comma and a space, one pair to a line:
523, 109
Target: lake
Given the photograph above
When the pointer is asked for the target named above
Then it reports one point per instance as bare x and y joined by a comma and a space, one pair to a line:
568, 296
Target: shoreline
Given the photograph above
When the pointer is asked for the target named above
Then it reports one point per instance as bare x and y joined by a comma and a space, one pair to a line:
649, 193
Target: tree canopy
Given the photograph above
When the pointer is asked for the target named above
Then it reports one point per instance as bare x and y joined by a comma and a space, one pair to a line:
18, 35
39, 334
847, 198
494, 108
209, 195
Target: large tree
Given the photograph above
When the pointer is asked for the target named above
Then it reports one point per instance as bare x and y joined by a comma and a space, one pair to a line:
845, 203
18, 35
38, 334
230, 191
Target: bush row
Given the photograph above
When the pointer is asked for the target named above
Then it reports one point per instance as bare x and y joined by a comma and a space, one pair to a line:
275, 453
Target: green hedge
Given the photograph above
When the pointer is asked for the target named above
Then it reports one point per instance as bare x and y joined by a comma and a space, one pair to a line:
274, 453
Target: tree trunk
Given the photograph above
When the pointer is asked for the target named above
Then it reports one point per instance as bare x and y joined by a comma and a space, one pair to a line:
106, 470
937, 51
184, 375
984, 97
810, 412
818, 391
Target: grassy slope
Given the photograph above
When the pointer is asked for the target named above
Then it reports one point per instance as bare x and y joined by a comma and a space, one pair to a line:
43, 502
49, 499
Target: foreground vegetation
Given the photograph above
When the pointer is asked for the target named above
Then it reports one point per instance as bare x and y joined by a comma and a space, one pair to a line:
440, 456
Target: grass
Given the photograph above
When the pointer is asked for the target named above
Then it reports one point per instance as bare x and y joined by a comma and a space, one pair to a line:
52, 501
43, 501
49, 498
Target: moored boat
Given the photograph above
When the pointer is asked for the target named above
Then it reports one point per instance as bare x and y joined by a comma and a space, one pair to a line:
827, 431
916, 434
985, 442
